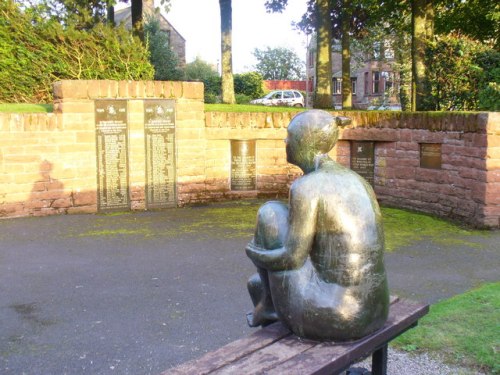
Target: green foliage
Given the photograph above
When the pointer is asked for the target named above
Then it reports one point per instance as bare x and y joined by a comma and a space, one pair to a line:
243, 99
489, 98
162, 57
278, 64
477, 19
249, 84
199, 70
459, 68
464, 328
35, 52
26, 108
211, 98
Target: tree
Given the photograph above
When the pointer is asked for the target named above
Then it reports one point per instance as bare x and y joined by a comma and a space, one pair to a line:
278, 63
226, 28
199, 70
477, 19
422, 33
164, 60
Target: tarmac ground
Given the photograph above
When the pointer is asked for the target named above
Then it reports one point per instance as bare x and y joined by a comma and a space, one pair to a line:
138, 293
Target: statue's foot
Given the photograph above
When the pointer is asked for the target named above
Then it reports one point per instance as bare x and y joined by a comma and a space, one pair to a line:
261, 318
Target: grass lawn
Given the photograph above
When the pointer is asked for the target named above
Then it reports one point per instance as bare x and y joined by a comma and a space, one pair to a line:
464, 328
248, 108
25, 108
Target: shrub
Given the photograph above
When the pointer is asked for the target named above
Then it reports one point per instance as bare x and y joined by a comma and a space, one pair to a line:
249, 84
459, 69
35, 52
211, 98
243, 99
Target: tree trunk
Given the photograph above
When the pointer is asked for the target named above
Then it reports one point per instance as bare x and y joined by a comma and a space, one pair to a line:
111, 15
422, 33
346, 56
323, 95
137, 22
226, 52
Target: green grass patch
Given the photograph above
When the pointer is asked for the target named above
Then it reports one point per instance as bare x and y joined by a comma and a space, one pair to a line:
26, 108
115, 232
402, 228
238, 108
464, 328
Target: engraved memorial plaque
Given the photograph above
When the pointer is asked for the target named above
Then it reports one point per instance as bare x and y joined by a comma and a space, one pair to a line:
111, 121
243, 165
159, 134
430, 155
363, 159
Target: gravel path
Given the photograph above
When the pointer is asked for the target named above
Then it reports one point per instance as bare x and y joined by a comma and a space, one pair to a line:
403, 363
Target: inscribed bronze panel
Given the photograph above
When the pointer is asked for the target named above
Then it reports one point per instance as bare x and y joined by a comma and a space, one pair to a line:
430, 155
363, 159
243, 173
159, 135
111, 122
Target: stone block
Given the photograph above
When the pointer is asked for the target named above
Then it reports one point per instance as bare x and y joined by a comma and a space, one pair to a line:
192, 90
84, 198
70, 89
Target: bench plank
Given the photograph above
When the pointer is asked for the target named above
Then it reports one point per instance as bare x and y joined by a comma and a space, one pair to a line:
232, 351
330, 357
274, 350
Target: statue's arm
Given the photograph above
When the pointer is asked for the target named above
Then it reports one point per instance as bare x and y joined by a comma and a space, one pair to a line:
301, 231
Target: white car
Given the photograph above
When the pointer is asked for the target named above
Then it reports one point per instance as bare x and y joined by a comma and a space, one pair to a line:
291, 98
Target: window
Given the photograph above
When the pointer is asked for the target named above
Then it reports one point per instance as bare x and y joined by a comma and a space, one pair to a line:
388, 79
375, 82
337, 86
354, 83
297, 94
367, 85
287, 94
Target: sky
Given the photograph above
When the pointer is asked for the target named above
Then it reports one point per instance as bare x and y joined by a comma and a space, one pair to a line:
198, 21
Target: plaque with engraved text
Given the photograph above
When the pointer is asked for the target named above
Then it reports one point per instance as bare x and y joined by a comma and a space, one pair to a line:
243, 165
363, 159
430, 155
159, 134
111, 121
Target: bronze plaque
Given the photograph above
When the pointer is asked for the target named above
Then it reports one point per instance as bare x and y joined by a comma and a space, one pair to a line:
111, 121
159, 134
430, 155
363, 159
243, 165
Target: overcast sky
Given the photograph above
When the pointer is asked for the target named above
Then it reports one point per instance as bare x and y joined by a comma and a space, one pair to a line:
198, 21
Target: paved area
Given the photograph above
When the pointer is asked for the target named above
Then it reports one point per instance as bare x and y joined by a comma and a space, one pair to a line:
139, 293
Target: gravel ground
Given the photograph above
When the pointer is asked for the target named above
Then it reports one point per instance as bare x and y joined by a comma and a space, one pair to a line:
403, 363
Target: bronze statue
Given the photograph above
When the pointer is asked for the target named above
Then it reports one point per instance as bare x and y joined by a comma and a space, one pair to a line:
320, 259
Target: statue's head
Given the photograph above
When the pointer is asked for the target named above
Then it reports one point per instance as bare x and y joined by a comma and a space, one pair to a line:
311, 133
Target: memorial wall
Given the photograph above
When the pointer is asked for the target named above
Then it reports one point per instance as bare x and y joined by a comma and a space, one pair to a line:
149, 145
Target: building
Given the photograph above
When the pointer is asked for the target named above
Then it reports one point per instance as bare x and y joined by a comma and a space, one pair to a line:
176, 40
373, 78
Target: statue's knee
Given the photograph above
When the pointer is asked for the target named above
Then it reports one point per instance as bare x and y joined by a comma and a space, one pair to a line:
272, 225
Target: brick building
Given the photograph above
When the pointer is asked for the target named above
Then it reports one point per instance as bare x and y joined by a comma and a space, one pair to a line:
373, 78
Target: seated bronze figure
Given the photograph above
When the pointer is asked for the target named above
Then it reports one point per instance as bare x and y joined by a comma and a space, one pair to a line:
320, 259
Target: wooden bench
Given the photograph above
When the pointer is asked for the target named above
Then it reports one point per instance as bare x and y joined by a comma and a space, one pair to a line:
275, 350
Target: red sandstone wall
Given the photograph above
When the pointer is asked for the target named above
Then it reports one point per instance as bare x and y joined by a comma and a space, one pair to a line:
48, 161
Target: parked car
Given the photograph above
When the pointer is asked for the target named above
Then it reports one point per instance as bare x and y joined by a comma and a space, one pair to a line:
291, 98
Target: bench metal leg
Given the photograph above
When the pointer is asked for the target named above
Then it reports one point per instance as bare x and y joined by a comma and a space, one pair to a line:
379, 361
